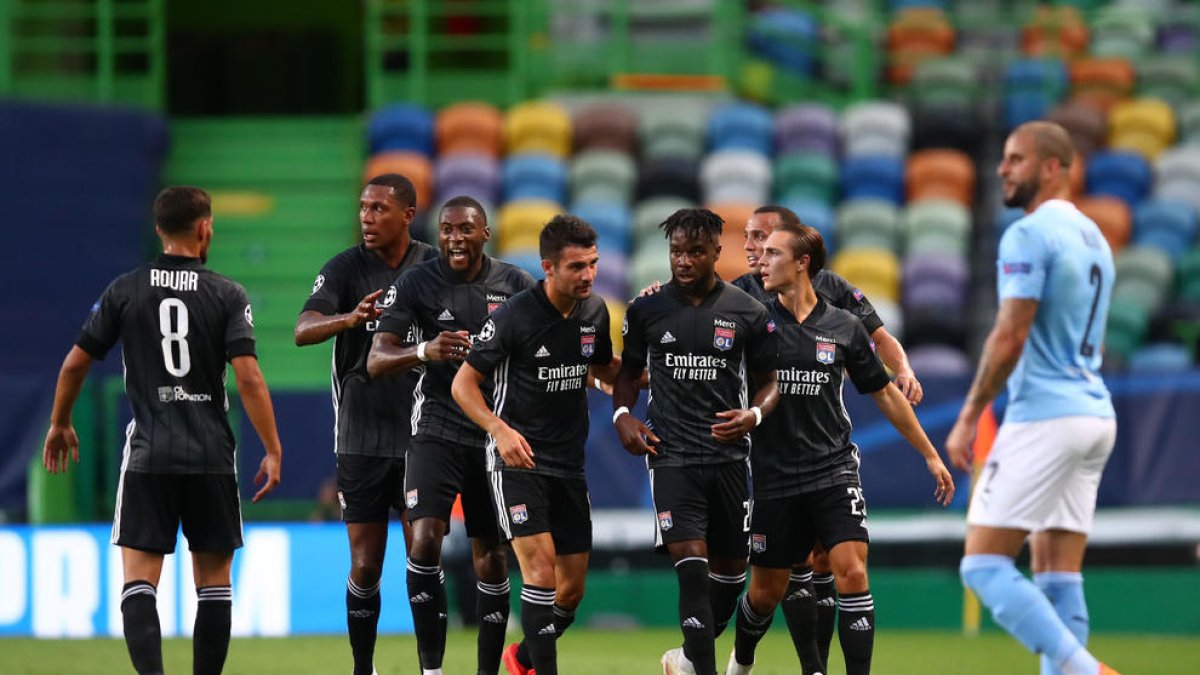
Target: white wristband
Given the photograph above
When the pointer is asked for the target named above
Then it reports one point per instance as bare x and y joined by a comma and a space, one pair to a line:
421, 351
757, 415
623, 410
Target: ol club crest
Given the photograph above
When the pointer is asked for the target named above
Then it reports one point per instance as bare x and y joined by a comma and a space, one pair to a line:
587, 344
518, 513
723, 338
826, 353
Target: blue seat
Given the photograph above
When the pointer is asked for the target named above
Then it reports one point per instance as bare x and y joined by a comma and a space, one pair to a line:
788, 38
1026, 106
613, 224
741, 126
1044, 75
878, 176
817, 215
1126, 175
1164, 357
401, 127
530, 261
1166, 225
534, 176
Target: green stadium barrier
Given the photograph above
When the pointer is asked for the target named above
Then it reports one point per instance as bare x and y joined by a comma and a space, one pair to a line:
69, 497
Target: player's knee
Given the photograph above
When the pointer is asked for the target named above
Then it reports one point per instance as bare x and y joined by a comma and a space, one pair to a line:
852, 577
819, 561
491, 565
365, 573
569, 594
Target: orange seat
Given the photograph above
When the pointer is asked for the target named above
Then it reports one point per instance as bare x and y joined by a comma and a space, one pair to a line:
470, 127
412, 165
914, 35
1102, 82
1112, 216
1055, 31
941, 173
732, 263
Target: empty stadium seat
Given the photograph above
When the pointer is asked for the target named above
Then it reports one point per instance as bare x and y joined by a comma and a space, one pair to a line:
403, 127
876, 272
1169, 226
1178, 173
1174, 79
934, 326
1112, 215
817, 215
914, 35
467, 173
951, 79
650, 263
606, 126
934, 360
674, 176
603, 175
415, 166
1127, 325
741, 126
534, 176
1125, 175
1189, 122
1087, 125
470, 127
1055, 31
1123, 32
1144, 126
875, 127
806, 175
736, 175
521, 222
613, 224
941, 173
538, 126
1144, 276
955, 126
1031, 88
869, 224
935, 280
936, 226
788, 38
1102, 82
880, 176
612, 274
1187, 275
807, 127
676, 131
650, 213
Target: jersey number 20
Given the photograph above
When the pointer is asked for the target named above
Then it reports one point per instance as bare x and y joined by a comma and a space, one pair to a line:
173, 324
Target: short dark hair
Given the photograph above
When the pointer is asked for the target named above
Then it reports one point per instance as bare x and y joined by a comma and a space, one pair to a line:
177, 208
562, 231
464, 202
694, 223
806, 241
786, 215
402, 188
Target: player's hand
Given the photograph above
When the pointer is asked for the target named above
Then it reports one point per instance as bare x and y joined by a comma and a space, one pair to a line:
60, 442
267, 476
945, 482
449, 346
365, 310
737, 424
908, 385
603, 386
637, 438
654, 287
513, 448
958, 445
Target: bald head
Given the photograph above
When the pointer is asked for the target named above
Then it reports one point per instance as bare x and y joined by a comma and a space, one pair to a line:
1037, 160
1049, 140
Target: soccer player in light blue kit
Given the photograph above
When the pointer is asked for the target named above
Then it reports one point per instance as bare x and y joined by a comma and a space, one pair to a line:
1055, 277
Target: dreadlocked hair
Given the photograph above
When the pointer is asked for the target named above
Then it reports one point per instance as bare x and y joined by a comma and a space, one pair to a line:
694, 224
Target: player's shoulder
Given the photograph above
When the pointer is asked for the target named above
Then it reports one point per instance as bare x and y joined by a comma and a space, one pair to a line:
738, 301
347, 259
510, 275
593, 309
426, 272
841, 323
422, 252
225, 285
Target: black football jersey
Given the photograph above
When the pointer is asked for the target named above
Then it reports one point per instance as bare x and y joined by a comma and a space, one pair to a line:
179, 323
539, 363
431, 298
699, 358
373, 417
830, 287
804, 445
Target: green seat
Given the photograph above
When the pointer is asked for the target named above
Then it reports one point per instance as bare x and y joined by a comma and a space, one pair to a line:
937, 226
1188, 116
1174, 79
602, 176
650, 263
649, 213
1144, 276
945, 81
868, 224
806, 175
1122, 32
1187, 275
677, 131
1127, 326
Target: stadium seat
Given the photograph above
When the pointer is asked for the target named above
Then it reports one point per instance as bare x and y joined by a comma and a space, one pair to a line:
650, 213
1174, 79
1087, 125
875, 127
1127, 325
934, 360
1166, 358
602, 175
1169, 226
674, 176
806, 175
1144, 276
416, 167
935, 326
941, 173
817, 215
741, 126
914, 35
807, 127
606, 126
1045, 75
1055, 31
947, 125
530, 175
613, 224
612, 274
1121, 32
1111, 215
538, 126
936, 226
521, 222
1189, 122
676, 131
876, 272
1125, 175
404, 127
1187, 275
470, 127
891, 315
935, 280
869, 224
1179, 30
945, 80
736, 176
788, 38
880, 176
1178, 173
1025, 106
1102, 82
1144, 126
467, 173
650, 263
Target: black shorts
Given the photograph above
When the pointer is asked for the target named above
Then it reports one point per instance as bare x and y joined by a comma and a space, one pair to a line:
437, 472
710, 503
151, 507
783, 530
530, 503
369, 487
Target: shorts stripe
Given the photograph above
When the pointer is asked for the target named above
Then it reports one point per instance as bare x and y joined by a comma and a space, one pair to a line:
658, 540
129, 430
498, 497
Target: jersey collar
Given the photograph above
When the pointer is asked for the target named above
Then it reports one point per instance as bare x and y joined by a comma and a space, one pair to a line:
178, 260
815, 315
458, 278
544, 300
676, 292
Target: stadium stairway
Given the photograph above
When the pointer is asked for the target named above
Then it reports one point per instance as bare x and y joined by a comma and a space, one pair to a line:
284, 201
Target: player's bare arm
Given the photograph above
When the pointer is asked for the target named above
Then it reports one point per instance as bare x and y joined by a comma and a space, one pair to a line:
896, 408
512, 446
738, 423
61, 440
603, 376
313, 327
637, 438
1000, 354
256, 399
390, 355
893, 356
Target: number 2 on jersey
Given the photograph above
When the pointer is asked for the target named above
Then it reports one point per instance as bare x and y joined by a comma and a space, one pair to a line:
1086, 349
174, 330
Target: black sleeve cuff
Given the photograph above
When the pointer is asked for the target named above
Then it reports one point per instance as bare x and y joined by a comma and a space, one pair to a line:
323, 306
240, 347
94, 348
873, 384
872, 322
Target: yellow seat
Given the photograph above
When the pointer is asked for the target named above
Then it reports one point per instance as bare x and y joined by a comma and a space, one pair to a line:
616, 322
1145, 126
538, 126
520, 224
873, 271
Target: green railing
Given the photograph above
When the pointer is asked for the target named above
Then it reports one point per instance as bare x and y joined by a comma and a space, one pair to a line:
106, 51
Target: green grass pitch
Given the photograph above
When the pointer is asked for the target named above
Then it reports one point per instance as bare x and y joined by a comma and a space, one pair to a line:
584, 652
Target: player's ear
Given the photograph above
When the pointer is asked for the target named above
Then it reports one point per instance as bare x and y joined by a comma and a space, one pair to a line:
547, 265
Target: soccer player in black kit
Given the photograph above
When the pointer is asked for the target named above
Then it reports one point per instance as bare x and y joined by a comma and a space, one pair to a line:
445, 304
805, 467
179, 324
704, 342
373, 417
543, 348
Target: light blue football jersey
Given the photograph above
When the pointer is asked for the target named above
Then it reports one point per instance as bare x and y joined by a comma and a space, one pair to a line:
1057, 256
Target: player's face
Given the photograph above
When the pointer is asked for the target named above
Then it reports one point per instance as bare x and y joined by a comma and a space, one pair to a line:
693, 259
1020, 169
461, 234
758, 228
780, 271
572, 276
383, 220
